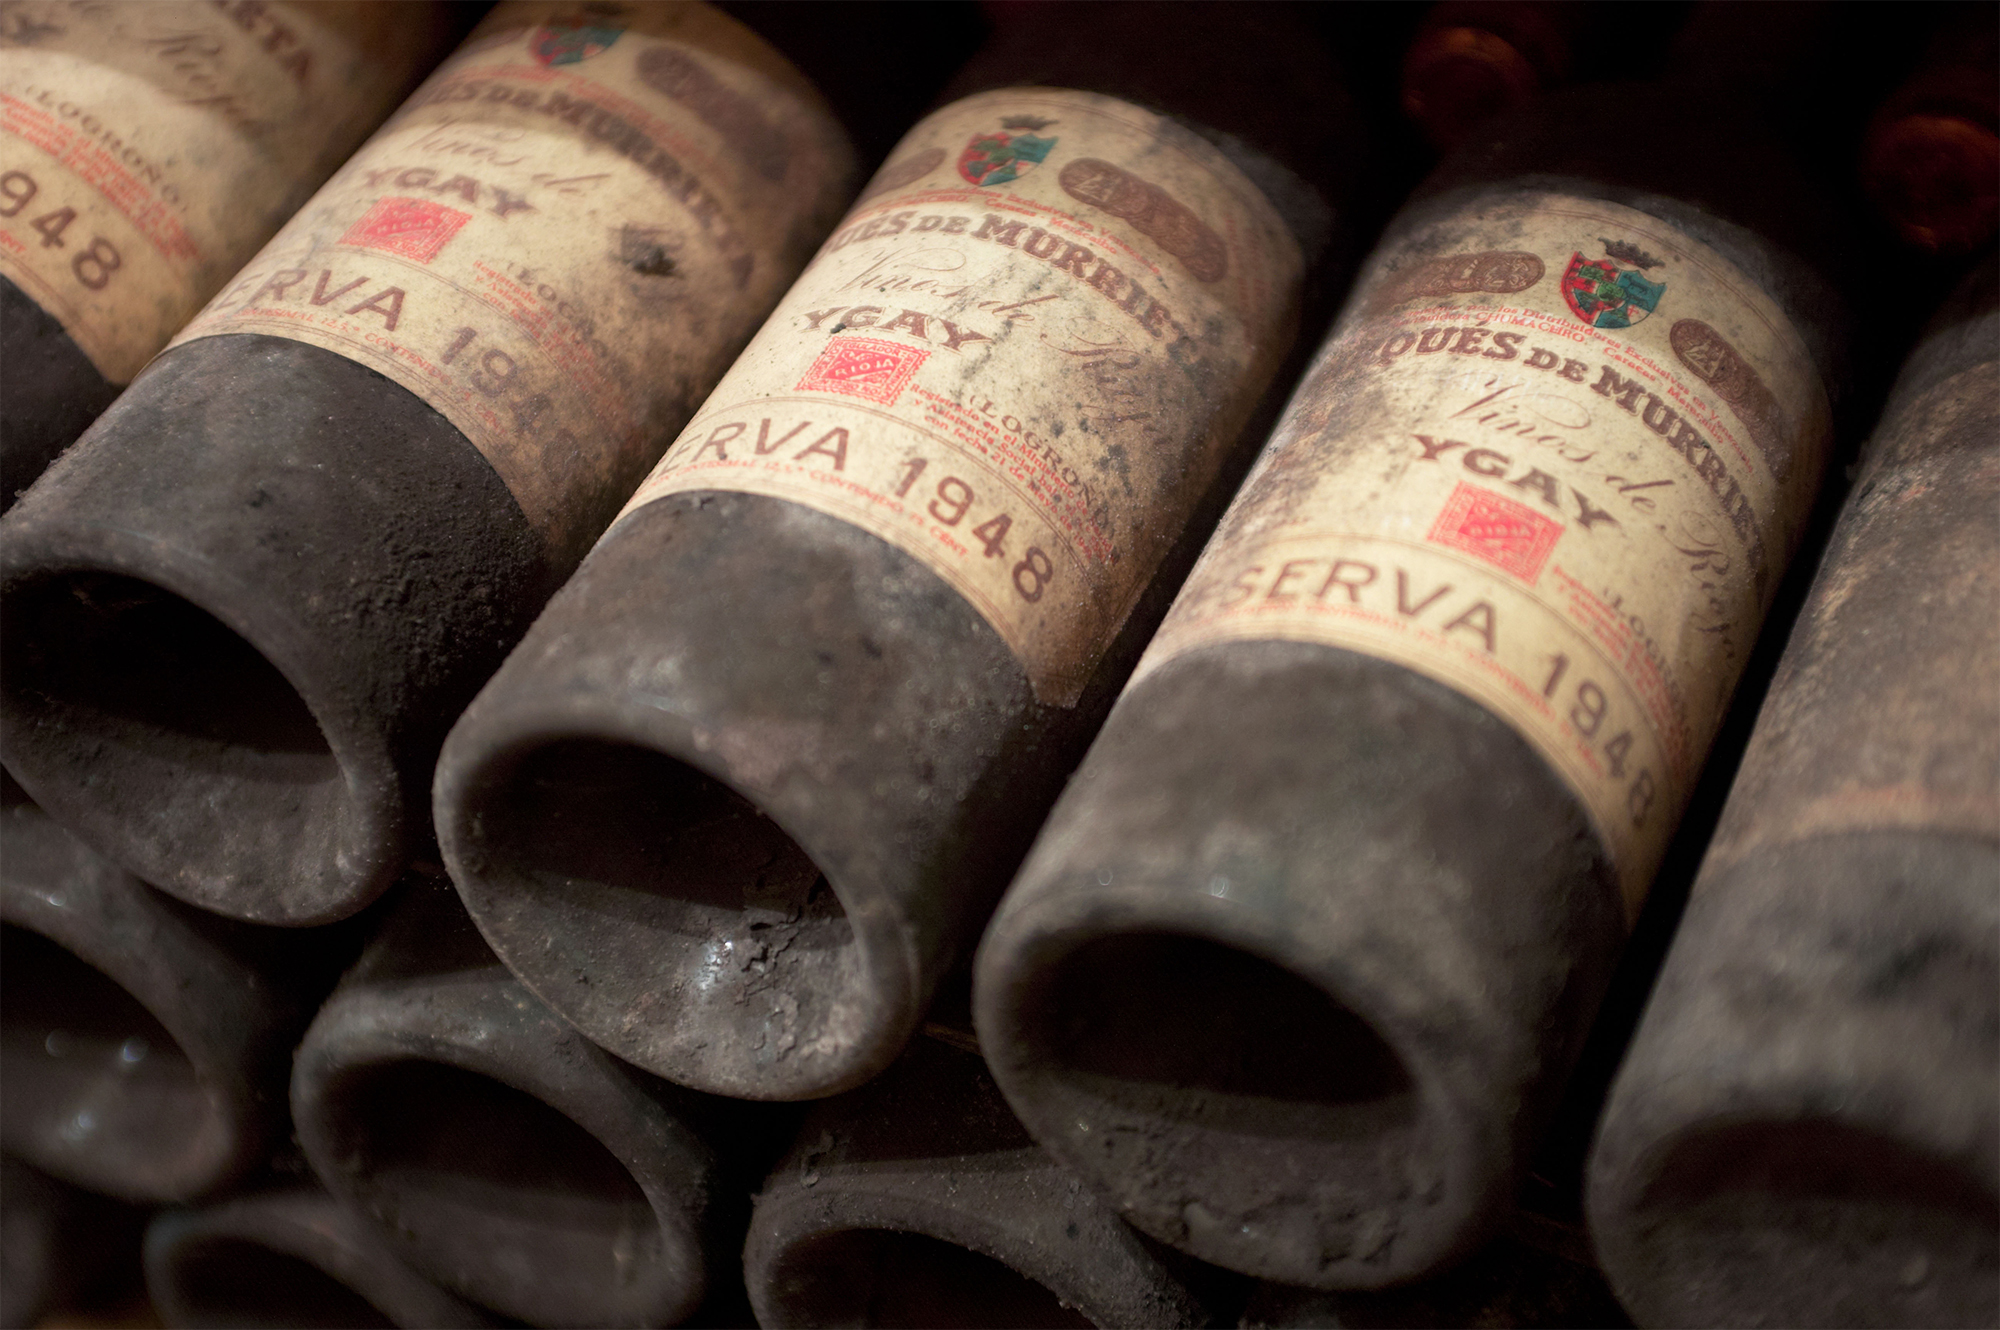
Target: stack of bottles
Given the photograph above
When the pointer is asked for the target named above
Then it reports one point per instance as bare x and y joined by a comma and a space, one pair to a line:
1102, 664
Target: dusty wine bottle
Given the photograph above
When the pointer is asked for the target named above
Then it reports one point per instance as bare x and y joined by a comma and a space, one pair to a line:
1473, 59
1931, 157
143, 1044
757, 775
1807, 1126
499, 1152
1301, 959
919, 1200
146, 152
244, 610
290, 1256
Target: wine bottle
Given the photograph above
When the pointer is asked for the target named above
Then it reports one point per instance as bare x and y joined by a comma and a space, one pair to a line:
1931, 158
146, 152
919, 1200
244, 610
500, 1153
756, 776
143, 1044
1299, 963
287, 1256
1804, 1127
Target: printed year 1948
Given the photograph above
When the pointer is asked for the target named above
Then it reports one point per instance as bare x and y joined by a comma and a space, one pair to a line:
92, 264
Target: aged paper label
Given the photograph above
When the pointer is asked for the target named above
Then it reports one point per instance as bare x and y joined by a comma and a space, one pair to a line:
562, 239
1555, 456
1018, 360
147, 149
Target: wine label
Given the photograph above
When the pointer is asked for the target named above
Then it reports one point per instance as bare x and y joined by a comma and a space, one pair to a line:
147, 149
1555, 456
1018, 359
562, 239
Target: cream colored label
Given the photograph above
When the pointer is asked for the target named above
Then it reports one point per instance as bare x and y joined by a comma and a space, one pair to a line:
1018, 360
1555, 457
561, 240
147, 149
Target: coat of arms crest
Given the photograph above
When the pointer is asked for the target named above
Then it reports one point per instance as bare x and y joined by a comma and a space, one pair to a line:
1007, 153
1614, 291
570, 43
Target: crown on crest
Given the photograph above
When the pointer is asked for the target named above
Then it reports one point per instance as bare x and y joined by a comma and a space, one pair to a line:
1627, 252
1033, 124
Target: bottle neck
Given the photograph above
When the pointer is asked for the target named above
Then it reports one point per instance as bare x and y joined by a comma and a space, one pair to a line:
1931, 157
1473, 59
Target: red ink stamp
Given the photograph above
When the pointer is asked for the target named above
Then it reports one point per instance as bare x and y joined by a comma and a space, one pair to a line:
864, 367
1511, 536
412, 228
